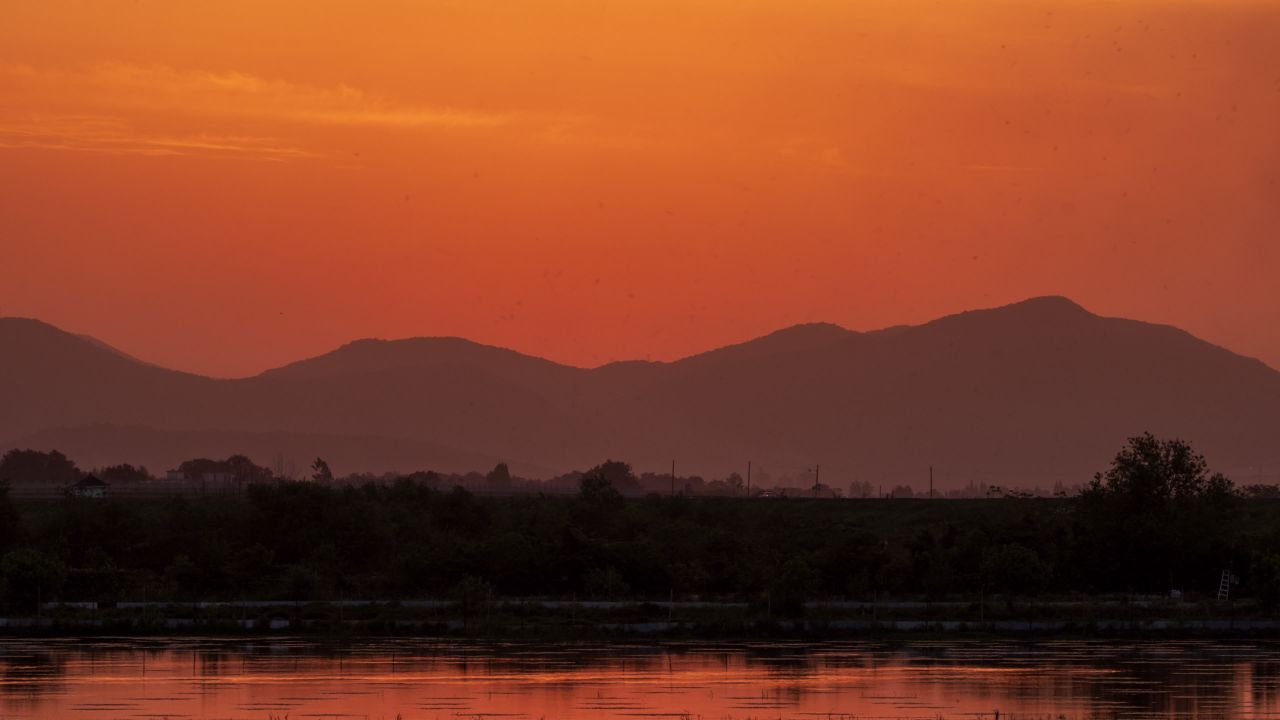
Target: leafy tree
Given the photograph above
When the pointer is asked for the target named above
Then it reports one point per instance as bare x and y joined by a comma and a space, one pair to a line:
794, 582
239, 467
97, 577
248, 566
619, 475
186, 577
124, 474
1265, 579
1150, 473
499, 478
22, 467
605, 583
246, 472
861, 489
599, 486
31, 576
325, 563
1013, 569
1261, 492
301, 583
321, 473
199, 467
1161, 506
9, 518
473, 594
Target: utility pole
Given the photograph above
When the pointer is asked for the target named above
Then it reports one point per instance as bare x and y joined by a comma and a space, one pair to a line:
673, 478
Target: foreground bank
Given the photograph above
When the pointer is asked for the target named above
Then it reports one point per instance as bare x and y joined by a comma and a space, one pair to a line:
538, 618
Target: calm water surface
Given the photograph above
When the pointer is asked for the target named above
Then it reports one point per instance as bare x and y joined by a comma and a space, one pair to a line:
260, 679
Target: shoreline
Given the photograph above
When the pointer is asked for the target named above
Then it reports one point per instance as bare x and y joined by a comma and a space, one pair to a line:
563, 628
564, 618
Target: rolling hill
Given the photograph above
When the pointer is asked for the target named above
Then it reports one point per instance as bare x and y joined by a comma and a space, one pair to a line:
1029, 394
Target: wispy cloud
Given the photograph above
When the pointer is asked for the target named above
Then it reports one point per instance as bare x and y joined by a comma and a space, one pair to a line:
242, 94
813, 151
111, 136
149, 110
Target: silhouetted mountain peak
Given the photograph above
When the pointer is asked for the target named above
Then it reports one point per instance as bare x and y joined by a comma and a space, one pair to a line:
47, 345
1036, 317
808, 331
382, 346
13, 326
1047, 308
1050, 303
378, 355
43, 342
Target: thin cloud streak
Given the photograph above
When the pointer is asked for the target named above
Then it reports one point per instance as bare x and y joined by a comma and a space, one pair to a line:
232, 94
111, 136
36, 113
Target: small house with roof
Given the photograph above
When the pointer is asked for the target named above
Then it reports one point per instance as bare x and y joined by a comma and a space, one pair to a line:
89, 487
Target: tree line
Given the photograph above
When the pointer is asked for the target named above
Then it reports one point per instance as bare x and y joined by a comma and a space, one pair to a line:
1157, 520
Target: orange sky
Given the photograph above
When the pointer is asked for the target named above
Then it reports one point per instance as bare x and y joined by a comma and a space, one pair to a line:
222, 187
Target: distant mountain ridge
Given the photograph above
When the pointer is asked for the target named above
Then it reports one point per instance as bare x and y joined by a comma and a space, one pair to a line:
1032, 393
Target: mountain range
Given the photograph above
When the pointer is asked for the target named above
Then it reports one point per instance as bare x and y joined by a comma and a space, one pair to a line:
1030, 394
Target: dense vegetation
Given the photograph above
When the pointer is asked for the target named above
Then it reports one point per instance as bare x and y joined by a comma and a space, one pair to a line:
1155, 522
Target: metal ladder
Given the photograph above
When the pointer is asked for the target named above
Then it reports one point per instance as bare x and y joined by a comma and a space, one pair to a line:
1224, 587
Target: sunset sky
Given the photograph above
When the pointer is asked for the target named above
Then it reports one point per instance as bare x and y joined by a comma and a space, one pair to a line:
226, 186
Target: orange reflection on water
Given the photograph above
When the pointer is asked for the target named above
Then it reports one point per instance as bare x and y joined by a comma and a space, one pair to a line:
179, 678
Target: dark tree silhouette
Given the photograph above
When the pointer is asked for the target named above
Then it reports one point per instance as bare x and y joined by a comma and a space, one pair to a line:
22, 467
30, 576
499, 478
321, 473
1169, 515
597, 490
245, 471
118, 474
1150, 473
1012, 570
9, 518
604, 484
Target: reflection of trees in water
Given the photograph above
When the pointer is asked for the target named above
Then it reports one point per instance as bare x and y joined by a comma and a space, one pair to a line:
212, 662
1160, 678
1266, 678
783, 658
29, 674
1168, 678
1156, 678
1096, 678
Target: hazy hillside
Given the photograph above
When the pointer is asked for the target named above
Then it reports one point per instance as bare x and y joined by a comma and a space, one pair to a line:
49, 378
1032, 393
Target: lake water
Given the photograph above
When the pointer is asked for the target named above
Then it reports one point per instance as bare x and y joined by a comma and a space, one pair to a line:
258, 679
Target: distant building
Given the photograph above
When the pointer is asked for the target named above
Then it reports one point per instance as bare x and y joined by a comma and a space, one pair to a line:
89, 487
